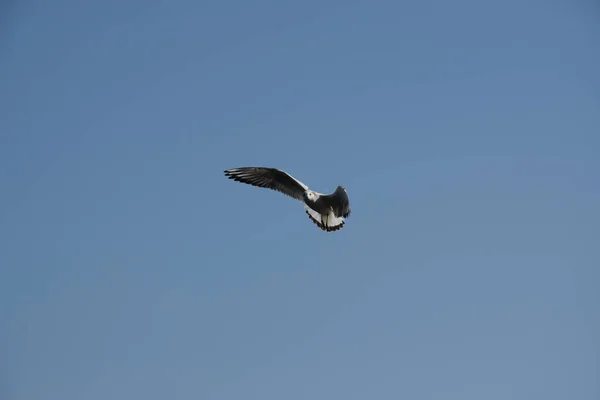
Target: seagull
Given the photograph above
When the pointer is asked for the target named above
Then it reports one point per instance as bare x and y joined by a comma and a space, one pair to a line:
327, 211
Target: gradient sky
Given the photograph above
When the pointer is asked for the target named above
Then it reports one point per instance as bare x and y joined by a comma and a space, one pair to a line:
466, 132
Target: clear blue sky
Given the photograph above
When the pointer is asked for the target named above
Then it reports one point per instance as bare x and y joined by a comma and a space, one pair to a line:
467, 134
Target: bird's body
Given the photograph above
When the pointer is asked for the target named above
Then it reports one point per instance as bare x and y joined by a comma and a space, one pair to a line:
327, 211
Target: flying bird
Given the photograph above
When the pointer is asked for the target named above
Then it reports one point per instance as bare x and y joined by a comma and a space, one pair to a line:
327, 211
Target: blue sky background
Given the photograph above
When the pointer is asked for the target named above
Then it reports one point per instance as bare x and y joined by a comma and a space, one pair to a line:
467, 134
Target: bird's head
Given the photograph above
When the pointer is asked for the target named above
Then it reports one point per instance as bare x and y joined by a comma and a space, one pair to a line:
310, 195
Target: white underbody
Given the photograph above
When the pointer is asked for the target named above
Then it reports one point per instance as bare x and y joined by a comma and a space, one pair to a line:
329, 220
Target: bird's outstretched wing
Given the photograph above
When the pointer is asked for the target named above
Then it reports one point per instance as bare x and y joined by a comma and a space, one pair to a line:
269, 178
